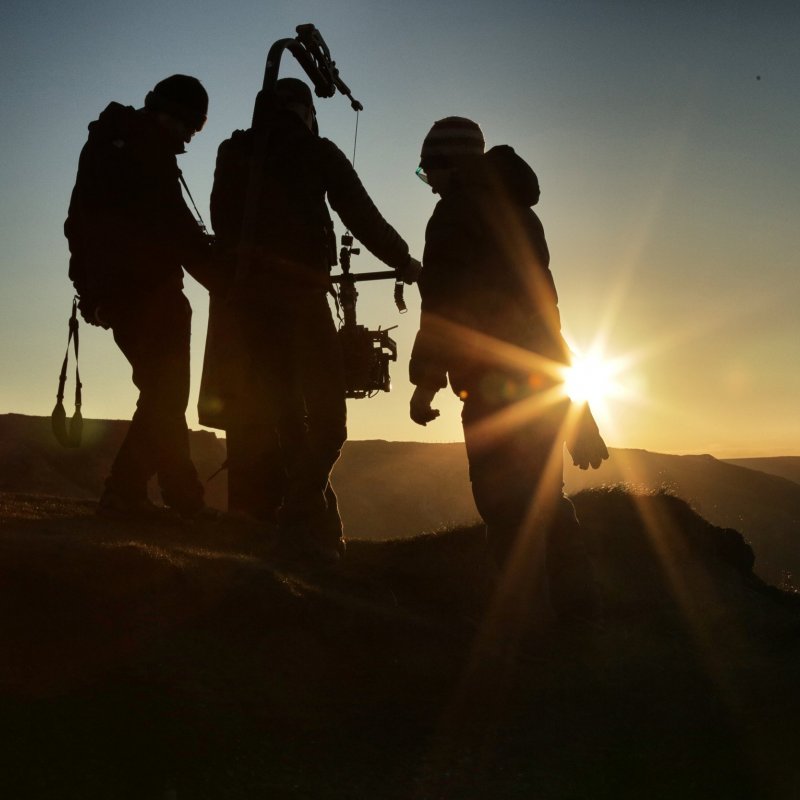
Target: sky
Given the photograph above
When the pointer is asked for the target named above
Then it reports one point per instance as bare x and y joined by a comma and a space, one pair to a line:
664, 136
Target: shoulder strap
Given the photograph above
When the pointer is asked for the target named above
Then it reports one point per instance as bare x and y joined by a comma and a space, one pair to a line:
69, 437
194, 206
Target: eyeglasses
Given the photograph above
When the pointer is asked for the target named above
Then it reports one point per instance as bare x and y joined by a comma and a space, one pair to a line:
422, 175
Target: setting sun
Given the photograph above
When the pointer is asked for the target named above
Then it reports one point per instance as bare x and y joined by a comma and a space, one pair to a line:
590, 379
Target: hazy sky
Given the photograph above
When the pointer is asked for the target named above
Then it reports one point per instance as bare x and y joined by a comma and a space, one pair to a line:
665, 137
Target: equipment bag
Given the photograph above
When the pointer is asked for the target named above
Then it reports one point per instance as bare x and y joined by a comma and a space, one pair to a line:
69, 436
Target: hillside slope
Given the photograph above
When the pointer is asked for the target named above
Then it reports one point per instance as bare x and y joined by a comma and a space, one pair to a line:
397, 488
182, 661
32, 461
393, 489
765, 508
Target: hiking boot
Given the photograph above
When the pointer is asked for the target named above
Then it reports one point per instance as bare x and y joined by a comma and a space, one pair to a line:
116, 506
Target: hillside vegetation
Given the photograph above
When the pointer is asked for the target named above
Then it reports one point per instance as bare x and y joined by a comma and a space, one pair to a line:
182, 661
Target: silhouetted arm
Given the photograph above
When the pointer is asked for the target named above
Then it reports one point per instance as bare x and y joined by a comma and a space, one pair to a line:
446, 249
349, 199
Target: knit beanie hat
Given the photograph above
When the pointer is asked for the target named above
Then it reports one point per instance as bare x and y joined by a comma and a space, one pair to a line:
451, 139
182, 97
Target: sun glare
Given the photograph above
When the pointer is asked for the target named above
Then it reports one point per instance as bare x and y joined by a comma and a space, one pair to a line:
590, 379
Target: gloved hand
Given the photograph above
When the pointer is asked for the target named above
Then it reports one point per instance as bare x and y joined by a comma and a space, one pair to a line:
410, 272
421, 411
586, 446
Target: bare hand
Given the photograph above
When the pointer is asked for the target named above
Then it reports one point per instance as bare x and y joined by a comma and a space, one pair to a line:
586, 445
589, 451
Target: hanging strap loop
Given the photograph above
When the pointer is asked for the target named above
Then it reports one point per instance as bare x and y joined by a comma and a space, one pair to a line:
69, 436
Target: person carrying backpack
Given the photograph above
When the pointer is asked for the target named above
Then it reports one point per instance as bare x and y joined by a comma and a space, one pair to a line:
282, 448
130, 235
490, 326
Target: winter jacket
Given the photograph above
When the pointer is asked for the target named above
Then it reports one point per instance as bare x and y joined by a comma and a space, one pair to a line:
128, 226
294, 225
485, 279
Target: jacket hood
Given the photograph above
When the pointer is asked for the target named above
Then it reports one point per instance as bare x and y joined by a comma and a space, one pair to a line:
503, 170
123, 123
115, 121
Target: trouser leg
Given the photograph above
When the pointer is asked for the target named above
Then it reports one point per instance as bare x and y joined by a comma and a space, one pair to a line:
256, 475
333, 528
264, 428
515, 480
532, 529
154, 335
320, 378
297, 354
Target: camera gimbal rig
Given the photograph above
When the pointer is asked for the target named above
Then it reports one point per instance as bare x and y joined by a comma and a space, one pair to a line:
366, 353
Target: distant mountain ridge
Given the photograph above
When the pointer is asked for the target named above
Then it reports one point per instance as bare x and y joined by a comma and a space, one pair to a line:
784, 466
397, 489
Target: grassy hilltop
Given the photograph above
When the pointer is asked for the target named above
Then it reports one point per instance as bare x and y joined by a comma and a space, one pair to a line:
181, 662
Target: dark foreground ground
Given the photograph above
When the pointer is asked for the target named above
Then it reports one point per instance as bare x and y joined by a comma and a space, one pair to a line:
180, 662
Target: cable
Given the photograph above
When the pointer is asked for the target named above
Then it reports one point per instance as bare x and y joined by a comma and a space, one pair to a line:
355, 139
353, 161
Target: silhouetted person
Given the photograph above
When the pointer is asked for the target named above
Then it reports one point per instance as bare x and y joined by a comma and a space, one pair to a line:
490, 324
283, 305
130, 233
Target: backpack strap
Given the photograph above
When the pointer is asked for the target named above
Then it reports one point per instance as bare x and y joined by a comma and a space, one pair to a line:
69, 437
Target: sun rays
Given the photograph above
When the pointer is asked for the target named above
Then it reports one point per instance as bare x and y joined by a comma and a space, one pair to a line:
531, 385
538, 387
592, 378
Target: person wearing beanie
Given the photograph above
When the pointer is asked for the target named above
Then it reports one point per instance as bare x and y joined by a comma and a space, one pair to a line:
451, 140
130, 237
490, 327
282, 449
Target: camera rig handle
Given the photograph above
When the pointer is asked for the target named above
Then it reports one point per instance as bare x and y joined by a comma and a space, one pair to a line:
347, 293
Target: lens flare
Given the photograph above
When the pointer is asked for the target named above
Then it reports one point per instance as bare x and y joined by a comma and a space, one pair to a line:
590, 379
